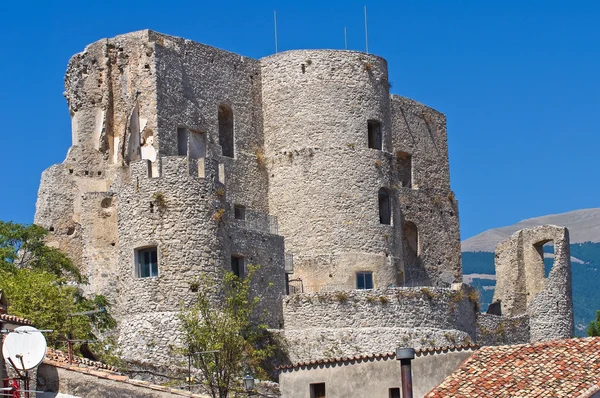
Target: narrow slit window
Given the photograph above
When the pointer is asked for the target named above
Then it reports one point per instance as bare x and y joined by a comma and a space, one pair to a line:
405, 168
374, 130
182, 142
226, 136
364, 280
237, 266
385, 207
147, 262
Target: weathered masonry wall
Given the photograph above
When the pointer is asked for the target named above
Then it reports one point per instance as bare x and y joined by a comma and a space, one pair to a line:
325, 176
188, 226
523, 289
321, 325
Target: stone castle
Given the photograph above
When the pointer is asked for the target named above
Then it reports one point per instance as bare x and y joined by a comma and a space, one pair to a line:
189, 160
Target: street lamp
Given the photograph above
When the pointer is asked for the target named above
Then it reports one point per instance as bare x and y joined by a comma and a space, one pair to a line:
248, 383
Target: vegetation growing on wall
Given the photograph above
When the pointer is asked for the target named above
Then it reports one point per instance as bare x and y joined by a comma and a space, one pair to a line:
224, 331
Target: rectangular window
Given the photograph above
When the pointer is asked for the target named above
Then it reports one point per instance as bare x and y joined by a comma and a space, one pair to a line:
374, 129
237, 266
395, 392
239, 212
317, 390
147, 262
182, 141
364, 280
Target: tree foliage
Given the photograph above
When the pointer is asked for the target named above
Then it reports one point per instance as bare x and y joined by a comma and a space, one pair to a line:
24, 246
594, 327
221, 321
42, 284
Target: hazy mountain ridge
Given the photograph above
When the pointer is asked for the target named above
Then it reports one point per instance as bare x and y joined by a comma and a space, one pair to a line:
584, 226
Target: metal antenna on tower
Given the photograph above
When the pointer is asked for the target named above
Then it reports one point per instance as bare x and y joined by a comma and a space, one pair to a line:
275, 19
345, 39
366, 30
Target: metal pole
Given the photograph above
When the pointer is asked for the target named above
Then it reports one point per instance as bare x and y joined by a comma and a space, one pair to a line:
366, 31
275, 20
405, 356
345, 39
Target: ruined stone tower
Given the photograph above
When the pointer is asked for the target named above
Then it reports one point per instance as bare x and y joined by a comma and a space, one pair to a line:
190, 160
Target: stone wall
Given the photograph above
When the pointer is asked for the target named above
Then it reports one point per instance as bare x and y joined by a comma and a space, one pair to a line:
498, 330
522, 287
318, 325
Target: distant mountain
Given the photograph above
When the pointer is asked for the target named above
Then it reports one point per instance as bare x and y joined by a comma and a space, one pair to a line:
584, 226
584, 231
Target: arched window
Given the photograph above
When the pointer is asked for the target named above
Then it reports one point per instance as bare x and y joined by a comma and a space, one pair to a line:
226, 130
385, 207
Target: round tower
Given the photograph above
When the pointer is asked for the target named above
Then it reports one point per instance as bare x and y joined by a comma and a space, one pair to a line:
332, 178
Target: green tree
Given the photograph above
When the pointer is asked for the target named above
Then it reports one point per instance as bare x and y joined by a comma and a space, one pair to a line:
24, 246
594, 327
42, 284
221, 321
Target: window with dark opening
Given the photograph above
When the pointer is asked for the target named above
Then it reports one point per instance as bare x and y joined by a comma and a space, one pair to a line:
182, 142
239, 212
364, 280
385, 207
395, 392
317, 390
226, 130
374, 128
411, 243
405, 168
237, 266
146, 262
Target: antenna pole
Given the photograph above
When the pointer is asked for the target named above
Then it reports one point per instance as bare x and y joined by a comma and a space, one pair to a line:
345, 38
366, 31
275, 20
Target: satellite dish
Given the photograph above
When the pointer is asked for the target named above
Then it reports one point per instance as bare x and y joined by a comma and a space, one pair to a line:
25, 347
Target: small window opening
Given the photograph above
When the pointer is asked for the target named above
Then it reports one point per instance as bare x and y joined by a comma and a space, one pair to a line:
395, 392
239, 212
237, 266
70, 230
405, 168
226, 130
364, 280
147, 262
51, 229
411, 243
317, 390
385, 207
374, 128
182, 141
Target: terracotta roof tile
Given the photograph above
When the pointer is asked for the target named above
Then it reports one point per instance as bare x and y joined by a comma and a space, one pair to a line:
60, 359
555, 368
14, 319
385, 355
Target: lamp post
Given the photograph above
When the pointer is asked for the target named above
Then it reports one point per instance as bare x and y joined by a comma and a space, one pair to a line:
249, 383
405, 356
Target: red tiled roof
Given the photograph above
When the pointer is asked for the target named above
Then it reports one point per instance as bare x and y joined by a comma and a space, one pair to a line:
385, 355
60, 359
14, 319
561, 368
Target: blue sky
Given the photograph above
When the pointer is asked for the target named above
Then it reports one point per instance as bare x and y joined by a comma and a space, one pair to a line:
518, 81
